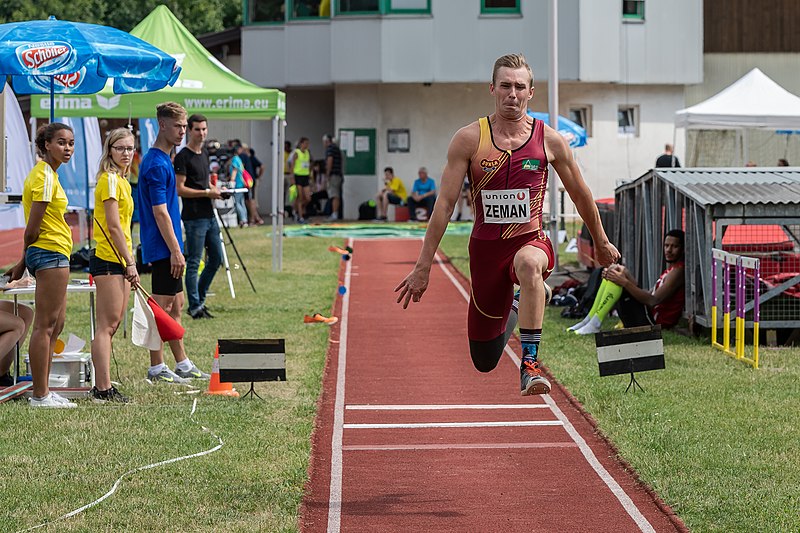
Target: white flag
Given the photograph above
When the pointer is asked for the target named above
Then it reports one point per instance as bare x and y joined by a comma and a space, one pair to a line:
144, 331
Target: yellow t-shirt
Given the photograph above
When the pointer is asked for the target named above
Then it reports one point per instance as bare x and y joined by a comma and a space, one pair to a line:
42, 185
302, 162
397, 186
112, 186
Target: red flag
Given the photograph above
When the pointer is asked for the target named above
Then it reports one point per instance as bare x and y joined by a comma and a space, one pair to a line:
168, 328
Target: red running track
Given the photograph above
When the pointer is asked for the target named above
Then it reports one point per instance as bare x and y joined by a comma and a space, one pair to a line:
410, 437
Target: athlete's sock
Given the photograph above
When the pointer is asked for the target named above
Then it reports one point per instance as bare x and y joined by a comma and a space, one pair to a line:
580, 324
591, 327
155, 369
610, 296
530, 339
184, 365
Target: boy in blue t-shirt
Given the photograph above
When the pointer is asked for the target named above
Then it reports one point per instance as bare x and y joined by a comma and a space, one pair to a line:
423, 194
162, 239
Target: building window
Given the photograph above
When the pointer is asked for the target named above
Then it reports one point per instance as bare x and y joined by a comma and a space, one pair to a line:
499, 6
628, 120
398, 140
410, 6
358, 7
633, 10
309, 9
259, 11
582, 116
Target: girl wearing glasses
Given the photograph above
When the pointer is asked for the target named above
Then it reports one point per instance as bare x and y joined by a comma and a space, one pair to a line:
112, 263
48, 245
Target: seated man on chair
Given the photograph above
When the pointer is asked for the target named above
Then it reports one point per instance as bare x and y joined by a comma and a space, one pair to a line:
393, 192
423, 194
636, 306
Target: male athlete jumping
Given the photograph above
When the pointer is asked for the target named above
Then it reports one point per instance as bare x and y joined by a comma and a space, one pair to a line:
505, 156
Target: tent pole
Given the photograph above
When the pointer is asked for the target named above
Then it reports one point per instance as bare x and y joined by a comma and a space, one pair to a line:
281, 185
745, 148
276, 267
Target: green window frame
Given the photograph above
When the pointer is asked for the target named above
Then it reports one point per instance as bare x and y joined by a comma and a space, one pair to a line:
487, 8
391, 9
356, 11
633, 10
293, 6
247, 19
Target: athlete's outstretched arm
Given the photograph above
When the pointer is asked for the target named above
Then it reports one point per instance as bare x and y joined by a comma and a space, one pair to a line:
560, 157
462, 146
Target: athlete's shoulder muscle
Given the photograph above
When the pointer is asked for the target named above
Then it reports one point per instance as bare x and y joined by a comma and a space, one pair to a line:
465, 142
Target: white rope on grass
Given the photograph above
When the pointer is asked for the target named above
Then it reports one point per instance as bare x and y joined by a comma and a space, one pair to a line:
138, 469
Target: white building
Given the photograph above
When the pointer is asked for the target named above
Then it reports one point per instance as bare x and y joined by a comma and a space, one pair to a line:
421, 69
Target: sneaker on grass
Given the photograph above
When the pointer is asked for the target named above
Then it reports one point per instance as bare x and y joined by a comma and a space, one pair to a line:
111, 395
192, 373
531, 379
52, 401
167, 376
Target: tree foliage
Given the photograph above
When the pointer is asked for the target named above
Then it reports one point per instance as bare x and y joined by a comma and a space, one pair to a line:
199, 16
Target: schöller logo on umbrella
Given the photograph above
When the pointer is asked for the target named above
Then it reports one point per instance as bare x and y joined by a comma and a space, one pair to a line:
42, 58
68, 81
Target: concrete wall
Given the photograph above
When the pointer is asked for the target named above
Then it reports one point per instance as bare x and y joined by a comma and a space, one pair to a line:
434, 113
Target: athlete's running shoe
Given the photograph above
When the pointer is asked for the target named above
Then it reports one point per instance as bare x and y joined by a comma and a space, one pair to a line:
531, 379
111, 395
317, 318
167, 376
51, 401
192, 373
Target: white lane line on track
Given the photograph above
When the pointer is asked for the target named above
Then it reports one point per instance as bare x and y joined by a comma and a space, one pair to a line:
477, 446
511, 423
335, 497
590, 457
445, 407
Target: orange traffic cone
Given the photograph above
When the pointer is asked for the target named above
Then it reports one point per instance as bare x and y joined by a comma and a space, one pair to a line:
215, 386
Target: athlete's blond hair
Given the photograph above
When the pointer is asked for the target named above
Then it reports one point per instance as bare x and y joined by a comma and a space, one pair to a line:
513, 61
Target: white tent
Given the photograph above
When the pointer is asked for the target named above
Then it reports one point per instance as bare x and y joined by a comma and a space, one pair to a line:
754, 101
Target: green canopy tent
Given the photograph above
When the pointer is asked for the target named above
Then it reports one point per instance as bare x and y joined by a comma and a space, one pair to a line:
205, 86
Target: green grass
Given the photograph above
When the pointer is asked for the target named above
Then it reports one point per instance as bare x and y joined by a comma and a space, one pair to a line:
56, 461
717, 440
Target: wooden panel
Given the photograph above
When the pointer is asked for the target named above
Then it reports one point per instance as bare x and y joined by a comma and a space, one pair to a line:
735, 26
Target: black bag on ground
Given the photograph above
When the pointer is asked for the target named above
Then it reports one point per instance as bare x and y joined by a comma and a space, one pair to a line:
587, 294
367, 211
79, 260
142, 268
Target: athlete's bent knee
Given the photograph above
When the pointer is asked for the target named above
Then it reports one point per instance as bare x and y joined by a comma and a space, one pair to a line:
486, 354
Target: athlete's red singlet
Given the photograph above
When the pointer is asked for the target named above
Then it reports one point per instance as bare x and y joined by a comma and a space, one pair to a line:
508, 186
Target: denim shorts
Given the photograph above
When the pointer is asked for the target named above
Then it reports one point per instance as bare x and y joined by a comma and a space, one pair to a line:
40, 259
101, 267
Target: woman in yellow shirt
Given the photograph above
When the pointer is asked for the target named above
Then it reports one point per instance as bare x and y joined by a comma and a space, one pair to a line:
48, 245
113, 213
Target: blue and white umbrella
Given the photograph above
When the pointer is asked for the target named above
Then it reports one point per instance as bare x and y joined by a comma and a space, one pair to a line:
572, 132
54, 56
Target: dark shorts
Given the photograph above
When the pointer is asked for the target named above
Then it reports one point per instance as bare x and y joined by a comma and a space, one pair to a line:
163, 282
101, 267
251, 192
394, 199
302, 181
491, 264
40, 259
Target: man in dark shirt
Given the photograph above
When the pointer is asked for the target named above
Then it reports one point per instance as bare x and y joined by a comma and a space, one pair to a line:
334, 175
202, 231
667, 159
